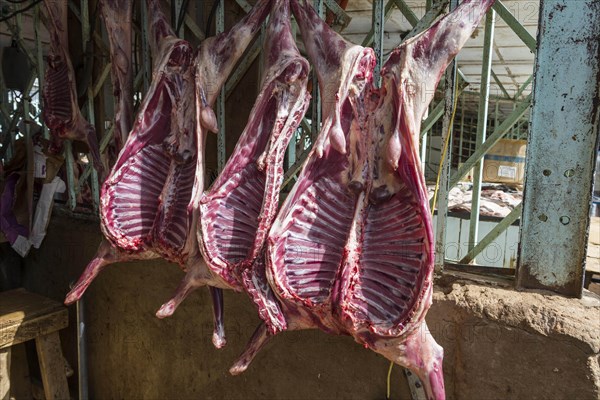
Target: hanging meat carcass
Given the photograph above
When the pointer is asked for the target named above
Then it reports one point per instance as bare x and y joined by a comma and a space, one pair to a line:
149, 205
61, 111
117, 19
351, 251
209, 71
237, 212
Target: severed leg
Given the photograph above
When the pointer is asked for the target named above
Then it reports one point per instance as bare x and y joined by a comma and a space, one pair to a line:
106, 255
420, 353
219, 340
260, 337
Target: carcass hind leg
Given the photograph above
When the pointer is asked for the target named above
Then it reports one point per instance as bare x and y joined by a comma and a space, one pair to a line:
105, 255
190, 282
218, 337
420, 353
260, 337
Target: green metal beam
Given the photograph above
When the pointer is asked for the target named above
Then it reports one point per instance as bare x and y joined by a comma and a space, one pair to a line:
515, 25
295, 168
342, 18
498, 134
241, 70
305, 124
387, 13
428, 19
97, 38
103, 75
193, 27
408, 13
522, 88
500, 85
502, 226
245, 5
432, 118
438, 111
11, 127
69, 166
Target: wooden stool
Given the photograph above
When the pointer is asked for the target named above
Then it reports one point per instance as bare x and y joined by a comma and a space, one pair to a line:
27, 316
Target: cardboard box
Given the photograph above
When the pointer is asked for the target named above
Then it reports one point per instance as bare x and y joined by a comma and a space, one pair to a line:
505, 162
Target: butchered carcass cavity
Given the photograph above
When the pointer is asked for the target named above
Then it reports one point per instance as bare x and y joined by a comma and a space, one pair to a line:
237, 212
351, 249
61, 111
149, 203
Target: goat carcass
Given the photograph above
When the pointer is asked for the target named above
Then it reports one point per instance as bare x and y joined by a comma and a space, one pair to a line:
351, 251
236, 214
59, 96
117, 19
212, 67
148, 203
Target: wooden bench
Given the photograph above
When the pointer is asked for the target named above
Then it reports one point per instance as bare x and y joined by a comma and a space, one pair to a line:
27, 316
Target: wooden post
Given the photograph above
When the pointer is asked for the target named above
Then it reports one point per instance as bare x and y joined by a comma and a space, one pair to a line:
52, 366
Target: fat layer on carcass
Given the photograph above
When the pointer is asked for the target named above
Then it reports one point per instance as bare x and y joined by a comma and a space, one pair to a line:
237, 212
351, 249
61, 111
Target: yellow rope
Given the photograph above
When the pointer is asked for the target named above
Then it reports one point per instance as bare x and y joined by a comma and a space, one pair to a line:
446, 143
435, 192
389, 380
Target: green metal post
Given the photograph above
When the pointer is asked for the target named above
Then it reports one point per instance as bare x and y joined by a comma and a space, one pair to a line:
40, 59
525, 86
28, 142
146, 63
444, 189
387, 13
561, 148
496, 111
316, 95
507, 221
482, 119
462, 128
515, 25
221, 152
378, 26
85, 33
500, 85
178, 11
